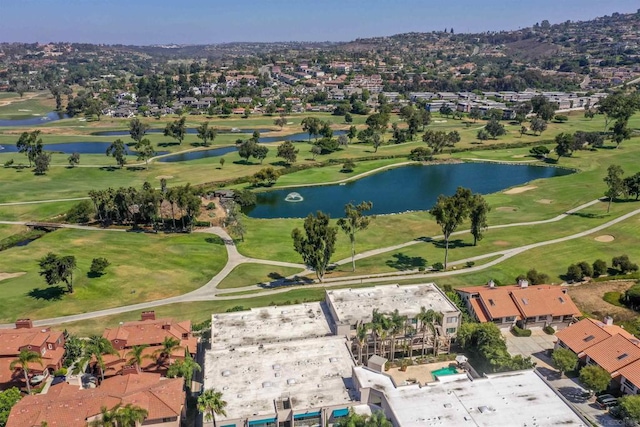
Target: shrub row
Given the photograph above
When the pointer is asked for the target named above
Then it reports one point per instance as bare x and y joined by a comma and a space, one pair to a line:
519, 332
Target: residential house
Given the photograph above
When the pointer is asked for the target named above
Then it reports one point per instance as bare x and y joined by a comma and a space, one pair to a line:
613, 354
72, 406
524, 305
44, 341
151, 332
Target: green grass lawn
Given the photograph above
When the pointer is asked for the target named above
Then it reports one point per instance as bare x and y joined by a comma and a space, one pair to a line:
143, 267
253, 274
10, 230
21, 108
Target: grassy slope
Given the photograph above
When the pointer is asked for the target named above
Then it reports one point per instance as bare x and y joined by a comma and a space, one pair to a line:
251, 274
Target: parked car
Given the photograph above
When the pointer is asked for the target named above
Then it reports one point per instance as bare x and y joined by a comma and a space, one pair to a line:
58, 380
606, 401
37, 379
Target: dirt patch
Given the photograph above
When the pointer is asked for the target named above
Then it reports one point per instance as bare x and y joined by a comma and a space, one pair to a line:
506, 209
501, 243
605, 238
518, 190
164, 177
216, 215
588, 298
5, 276
545, 201
518, 156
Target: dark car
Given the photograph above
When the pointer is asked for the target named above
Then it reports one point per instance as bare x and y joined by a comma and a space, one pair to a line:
58, 380
606, 401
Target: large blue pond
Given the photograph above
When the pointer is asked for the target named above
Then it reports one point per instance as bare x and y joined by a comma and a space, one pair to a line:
215, 152
407, 188
35, 120
72, 147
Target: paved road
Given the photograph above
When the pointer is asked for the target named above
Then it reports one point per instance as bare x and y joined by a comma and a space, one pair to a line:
209, 291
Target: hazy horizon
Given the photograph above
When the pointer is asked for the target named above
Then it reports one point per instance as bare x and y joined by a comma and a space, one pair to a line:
160, 22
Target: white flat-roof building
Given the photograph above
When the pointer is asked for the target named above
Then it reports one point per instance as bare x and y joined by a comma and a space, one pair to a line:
303, 382
350, 307
269, 324
507, 399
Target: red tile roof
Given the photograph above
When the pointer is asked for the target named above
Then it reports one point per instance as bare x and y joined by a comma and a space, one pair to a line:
153, 332
632, 373
582, 335
68, 406
614, 353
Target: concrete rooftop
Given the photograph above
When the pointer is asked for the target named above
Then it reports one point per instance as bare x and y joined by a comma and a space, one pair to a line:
509, 399
309, 371
269, 325
352, 305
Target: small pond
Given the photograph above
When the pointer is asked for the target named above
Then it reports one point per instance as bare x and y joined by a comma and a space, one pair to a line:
407, 188
215, 152
35, 120
191, 131
73, 147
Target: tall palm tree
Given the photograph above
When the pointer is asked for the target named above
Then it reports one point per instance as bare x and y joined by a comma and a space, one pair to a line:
397, 324
361, 336
108, 417
184, 368
97, 347
131, 415
169, 345
24, 358
210, 403
135, 354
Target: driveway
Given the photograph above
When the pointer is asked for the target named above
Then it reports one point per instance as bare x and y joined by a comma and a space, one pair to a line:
535, 346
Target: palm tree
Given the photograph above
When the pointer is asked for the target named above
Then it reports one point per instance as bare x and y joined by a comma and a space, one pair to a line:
108, 417
378, 419
169, 345
397, 324
97, 347
135, 354
131, 415
210, 403
361, 336
184, 368
351, 420
24, 358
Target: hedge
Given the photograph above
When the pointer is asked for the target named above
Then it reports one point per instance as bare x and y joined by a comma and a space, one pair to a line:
519, 332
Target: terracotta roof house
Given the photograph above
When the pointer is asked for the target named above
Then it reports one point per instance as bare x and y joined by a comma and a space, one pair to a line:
521, 304
588, 332
70, 406
151, 332
630, 378
613, 354
50, 345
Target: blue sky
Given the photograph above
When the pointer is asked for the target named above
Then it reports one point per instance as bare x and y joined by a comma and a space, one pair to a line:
216, 21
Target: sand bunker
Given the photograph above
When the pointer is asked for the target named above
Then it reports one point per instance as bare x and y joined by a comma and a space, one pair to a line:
545, 201
4, 276
164, 176
605, 238
506, 209
501, 243
518, 156
518, 190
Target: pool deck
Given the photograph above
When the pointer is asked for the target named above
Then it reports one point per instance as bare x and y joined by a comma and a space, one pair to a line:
417, 373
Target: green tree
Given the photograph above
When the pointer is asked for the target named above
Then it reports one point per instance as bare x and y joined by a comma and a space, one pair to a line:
118, 151
267, 176
210, 403
56, 269
449, 213
599, 268
8, 399
74, 159
184, 368
348, 166
378, 419
615, 183
41, 163
95, 348
539, 151
538, 126
169, 346
352, 133
280, 121
136, 354
595, 378
478, 216
176, 129
623, 264
247, 149
585, 267
98, 265
206, 134
316, 244
145, 151
288, 152
131, 415
565, 360
475, 114
630, 407
355, 220
24, 358
137, 129
574, 273
620, 132
233, 221
494, 128
261, 152
311, 125
30, 144
222, 161
108, 417
632, 185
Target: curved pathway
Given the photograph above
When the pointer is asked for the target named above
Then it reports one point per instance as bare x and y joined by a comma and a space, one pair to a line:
209, 291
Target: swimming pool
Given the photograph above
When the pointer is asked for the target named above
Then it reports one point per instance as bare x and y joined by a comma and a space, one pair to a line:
449, 370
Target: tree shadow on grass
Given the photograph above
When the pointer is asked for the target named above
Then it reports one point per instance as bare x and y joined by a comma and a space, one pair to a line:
167, 144
275, 276
109, 168
453, 244
94, 275
588, 215
51, 293
214, 240
404, 262
280, 163
135, 168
